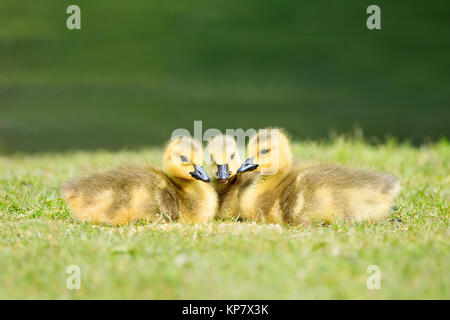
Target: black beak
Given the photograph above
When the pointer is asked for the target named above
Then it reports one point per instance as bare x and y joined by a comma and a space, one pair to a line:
248, 165
223, 173
199, 174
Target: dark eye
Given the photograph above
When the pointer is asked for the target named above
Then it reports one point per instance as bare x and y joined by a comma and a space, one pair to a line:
232, 156
183, 158
212, 159
264, 151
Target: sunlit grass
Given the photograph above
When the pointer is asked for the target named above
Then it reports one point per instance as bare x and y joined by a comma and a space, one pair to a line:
39, 239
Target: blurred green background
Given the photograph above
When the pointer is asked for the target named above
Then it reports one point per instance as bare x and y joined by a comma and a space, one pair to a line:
139, 69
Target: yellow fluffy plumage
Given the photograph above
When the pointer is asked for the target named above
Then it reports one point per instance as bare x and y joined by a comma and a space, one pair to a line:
225, 162
310, 193
134, 192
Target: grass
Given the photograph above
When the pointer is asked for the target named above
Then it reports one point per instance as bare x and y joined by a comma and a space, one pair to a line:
135, 72
219, 260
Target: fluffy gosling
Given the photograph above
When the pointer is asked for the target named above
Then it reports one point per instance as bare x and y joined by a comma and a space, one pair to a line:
225, 162
134, 192
310, 193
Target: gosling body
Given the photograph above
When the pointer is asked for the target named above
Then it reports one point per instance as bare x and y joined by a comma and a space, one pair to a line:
230, 194
311, 192
229, 185
134, 192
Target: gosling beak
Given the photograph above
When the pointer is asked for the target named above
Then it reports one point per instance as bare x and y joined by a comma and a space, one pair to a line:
223, 173
199, 174
248, 165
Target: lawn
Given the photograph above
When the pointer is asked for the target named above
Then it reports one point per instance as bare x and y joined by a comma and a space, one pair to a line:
223, 260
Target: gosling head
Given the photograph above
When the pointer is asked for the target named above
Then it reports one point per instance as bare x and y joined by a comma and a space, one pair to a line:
183, 159
224, 157
269, 152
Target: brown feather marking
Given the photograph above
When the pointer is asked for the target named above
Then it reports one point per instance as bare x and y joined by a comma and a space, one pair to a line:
288, 196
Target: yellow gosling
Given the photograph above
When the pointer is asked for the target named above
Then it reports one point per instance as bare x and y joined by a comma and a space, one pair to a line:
310, 193
133, 192
225, 162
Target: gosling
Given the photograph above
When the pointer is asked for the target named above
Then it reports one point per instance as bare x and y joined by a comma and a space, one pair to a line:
229, 186
133, 192
310, 193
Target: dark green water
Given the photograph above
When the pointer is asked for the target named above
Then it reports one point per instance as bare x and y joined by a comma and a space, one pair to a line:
139, 69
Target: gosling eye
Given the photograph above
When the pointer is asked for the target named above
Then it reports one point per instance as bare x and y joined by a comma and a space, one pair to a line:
184, 159
232, 156
264, 151
212, 159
